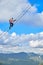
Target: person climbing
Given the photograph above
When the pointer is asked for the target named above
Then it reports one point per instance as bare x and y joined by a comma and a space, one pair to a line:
11, 21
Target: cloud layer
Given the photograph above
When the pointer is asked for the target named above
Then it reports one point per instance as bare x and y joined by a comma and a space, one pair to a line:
14, 43
13, 8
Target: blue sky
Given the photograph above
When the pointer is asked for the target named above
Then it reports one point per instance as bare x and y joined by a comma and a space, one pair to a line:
21, 28
39, 4
27, 34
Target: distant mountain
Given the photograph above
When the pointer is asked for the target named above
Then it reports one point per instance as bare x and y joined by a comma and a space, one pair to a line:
21, 55
21, 58
33, 54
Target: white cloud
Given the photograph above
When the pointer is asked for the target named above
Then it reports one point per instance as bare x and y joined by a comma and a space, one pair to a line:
36, 43
11, 8
11, 43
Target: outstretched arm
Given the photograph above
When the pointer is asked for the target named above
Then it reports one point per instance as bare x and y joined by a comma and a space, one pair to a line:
15, 20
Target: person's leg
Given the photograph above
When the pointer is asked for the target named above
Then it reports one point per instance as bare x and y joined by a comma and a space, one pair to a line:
11, 24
